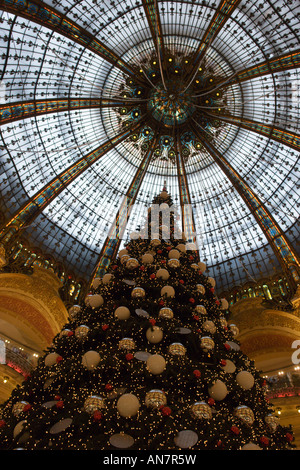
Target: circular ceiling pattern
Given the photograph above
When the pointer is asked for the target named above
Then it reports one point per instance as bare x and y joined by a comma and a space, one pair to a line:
93, 84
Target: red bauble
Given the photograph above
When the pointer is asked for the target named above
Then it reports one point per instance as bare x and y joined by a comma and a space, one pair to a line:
129, 357
70, 333
192, 300
105, 327
142, 268
166, 411
264, 440
227, 346
211, 401
59, 359
27, 407
191, 258
161, 303
223, 362
2, 423
152, 321
159, 252
152, 276
60, 404
169, 248
212, 290
108, 387
181, 281
197, 373
289, 437
217, 302
114, 267
195, 317
235, 430
57, 397
97, 416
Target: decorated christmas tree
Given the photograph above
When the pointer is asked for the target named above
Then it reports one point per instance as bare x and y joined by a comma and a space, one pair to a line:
149, 362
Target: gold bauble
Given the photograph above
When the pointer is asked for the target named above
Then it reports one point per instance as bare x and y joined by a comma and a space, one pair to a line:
200, 288
138, 292
64, 333
93, 403
223, 322
132, 263
234, 329
207, 344
82, 331
174, 263
200, 309
124, 258
166, 313
272, 422
245, 414
177, 349
201, 410
155, 399
73, 311
18, 407
127, 344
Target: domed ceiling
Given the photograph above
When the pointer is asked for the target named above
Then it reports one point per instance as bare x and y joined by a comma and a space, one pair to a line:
102, 100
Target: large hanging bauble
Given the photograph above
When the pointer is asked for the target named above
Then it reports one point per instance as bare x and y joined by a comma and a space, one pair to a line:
155, 241
224, 304
122, 313
175, 254
95, 301
96, 283
127, 344
186, 439
174, 263
166, 313
234, 329
128, 405
81, 332
169, 291
155, 399
211, 281
218, 391
91, 359
18, 407
147, 258
132, 263
163, 274
177, 349
207, 343
200, 309
272, 422
93, 403
209, 326
245, 414
200, 288
50, 359
202, 266
107, 278
245, 379
156, 364
154, 335
74, 311
201, 410
229, 367
138, 292
121, 440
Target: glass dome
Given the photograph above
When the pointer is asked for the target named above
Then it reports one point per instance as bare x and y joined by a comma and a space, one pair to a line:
88, 87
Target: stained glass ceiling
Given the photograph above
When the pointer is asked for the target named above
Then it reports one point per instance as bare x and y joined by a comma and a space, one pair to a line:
65, 72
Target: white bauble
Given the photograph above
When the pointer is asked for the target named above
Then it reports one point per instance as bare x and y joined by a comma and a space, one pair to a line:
245, 379
174, 253
224, 304
123, 252
218, 391
122, 313
107, 278
90, 359
154, 335
147, 258
229, 367
209, 326
202, 266
156, 364
181, 247
163, 274
50, 359
96, 283
19, 428
169, 291
95, 300
251, 446
211, 281
128, 405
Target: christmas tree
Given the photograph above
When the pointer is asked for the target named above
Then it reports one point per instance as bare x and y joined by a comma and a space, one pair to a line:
149, 362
